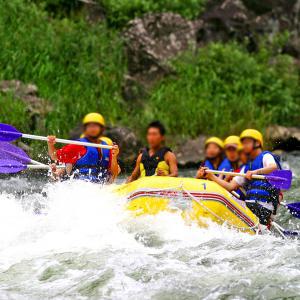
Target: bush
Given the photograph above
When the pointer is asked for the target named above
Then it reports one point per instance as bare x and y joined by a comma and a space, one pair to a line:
224, 89
60, 8
119, 12
77, 66
13, 112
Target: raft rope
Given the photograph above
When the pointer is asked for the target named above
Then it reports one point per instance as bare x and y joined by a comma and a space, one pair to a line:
180, 187
279, 229
255, 227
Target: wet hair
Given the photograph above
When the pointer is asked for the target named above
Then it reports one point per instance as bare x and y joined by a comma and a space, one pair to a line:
158, 125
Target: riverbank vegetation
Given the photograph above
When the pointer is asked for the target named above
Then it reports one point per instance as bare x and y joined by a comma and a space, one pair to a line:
80, 67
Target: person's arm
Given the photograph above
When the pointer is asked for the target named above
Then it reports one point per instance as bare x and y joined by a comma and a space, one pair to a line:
57, 173
114, 166
51, 148
269, 165
171, 160
229, 186
136, 172
200, 173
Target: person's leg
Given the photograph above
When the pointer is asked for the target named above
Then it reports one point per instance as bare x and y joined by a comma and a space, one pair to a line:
261, 212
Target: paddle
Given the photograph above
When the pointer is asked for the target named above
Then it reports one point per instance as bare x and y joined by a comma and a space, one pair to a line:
8, 166
8, 133
285, 232
281, 179
294, 208
12, 152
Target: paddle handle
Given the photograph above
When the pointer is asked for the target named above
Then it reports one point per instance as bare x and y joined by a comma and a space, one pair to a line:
63, 141
42, 167
234, 174
34, 162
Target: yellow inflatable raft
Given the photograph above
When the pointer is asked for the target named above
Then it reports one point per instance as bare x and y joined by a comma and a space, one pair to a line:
197, 200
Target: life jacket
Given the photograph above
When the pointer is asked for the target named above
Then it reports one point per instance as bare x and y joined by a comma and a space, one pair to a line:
225, 165
242, 193
150, 164
94, 165
261, 190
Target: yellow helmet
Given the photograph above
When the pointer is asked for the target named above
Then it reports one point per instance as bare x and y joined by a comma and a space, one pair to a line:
93, 118
234, 141
252, 134
107, 140
215, 140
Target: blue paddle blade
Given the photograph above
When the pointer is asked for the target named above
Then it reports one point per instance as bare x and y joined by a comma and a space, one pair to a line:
291, 233
8, 133
281, 179
11, 166
12, 152
294, 209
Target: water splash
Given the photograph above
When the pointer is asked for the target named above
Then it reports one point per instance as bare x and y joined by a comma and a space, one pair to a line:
74, 240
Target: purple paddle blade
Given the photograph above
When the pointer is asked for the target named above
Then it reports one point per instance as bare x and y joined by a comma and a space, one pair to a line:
12, 152
291, 233
294, 209
11, 166
8, 133
281, 179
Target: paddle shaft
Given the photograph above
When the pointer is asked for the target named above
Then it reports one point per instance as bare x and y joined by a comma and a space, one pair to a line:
63, 141
235, 174
42, 167
36, 163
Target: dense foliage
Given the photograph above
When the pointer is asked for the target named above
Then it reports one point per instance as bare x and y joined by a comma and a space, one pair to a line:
224, 88
119, 12
80, 67
76, 66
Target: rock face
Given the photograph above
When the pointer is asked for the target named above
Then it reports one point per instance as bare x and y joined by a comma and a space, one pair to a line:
240, 19
128, 142
284, 138
28, 94
225, 20
150, 42
93, 11
266, 6
190, 152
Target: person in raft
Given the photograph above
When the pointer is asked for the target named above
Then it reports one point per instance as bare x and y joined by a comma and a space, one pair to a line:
215, 160
237, 159
156, 159
233, 148
87, 163
261, 197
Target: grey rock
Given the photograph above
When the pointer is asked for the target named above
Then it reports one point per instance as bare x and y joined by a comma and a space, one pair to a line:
190, 152
265, 6
37, 107
285, 138
225, 20
150, 43
252, 19
93, 11
128, 142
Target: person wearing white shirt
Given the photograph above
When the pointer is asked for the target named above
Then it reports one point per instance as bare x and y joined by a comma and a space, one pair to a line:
261, 197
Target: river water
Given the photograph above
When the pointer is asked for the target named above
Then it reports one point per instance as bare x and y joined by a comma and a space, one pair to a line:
75, 241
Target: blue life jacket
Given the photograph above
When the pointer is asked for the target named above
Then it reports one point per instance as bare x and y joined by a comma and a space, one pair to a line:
242, 193
94, 165
261, 190
224, 166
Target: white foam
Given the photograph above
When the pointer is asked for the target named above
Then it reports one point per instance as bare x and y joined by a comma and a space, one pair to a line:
141, 257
